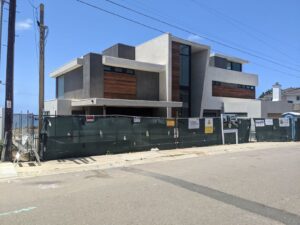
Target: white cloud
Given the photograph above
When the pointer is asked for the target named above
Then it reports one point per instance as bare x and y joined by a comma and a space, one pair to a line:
24, 24
194, 38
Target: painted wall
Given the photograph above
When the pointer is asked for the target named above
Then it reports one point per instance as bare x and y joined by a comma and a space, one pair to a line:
121, 51
58, 107
223, 75
158, 50
73, 84
92, 76
275, 108
147, 85
199, 63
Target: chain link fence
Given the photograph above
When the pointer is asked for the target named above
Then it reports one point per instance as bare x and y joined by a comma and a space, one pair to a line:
25, 132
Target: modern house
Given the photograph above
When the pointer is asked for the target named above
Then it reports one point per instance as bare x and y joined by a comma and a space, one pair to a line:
166, 76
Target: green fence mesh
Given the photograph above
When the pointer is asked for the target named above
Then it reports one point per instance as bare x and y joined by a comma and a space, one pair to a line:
272, 130
297, 129
77, 136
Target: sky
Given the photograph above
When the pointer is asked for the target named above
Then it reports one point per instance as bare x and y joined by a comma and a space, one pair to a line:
268, 29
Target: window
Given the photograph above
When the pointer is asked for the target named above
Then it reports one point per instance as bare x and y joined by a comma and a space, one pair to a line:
234, 66
185, 76
119, 70
290, 101
108, 68
298, 98
229, 65
223, 89
60, 87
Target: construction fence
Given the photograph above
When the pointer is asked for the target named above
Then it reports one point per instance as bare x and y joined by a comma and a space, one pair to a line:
78, 136
25, 131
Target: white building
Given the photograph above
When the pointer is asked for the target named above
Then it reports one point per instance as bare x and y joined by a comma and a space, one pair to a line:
165, 76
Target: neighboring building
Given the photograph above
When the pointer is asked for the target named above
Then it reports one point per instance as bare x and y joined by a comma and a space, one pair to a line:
166, 76
290, 95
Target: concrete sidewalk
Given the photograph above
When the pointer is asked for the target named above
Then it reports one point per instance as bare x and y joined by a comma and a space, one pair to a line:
31, 169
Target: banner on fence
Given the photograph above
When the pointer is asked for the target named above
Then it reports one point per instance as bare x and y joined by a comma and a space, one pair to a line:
259, 123
209, 125
194, 123
269, 122
284, 122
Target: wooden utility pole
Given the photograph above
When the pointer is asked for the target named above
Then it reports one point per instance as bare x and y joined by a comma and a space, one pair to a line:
9, 90
41, 72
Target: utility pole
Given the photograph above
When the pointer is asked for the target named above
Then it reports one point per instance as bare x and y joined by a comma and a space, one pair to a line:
9, 90
41, 73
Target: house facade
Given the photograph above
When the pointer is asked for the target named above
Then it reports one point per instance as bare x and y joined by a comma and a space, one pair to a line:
289, 95
166, 76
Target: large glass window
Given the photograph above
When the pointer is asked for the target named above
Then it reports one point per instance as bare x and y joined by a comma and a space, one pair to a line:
234, 66
60, 87
185, 76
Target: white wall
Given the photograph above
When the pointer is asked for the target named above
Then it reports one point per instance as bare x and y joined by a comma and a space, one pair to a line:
251, 107
228, 76
158, 51
275, 107
59, 107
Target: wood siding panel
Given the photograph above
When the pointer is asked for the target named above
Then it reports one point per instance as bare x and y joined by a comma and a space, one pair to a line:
119, 86
175, 71
232, 92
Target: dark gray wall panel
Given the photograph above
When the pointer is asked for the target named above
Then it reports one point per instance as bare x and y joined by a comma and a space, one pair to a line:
121, 51
73, 84
147, 85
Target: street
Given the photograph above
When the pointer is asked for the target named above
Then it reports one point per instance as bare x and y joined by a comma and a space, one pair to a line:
253, 187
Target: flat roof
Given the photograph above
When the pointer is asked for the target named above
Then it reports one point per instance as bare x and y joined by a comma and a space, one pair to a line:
132, 64
230, 58
74, 64
124, 103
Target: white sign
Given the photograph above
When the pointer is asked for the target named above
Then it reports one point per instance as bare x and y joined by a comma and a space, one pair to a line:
8, 104
284, 122
194, 123
137, 119
269, 122
259, 123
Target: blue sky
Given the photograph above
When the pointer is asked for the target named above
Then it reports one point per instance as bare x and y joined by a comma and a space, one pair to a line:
269, 28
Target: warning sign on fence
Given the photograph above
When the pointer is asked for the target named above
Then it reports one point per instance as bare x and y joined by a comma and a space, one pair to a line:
194, 123
170, 123
269, 122
209, 125
284, 122
259, 123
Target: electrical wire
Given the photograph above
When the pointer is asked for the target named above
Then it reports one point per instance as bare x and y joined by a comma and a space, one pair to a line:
184, 30
242, 27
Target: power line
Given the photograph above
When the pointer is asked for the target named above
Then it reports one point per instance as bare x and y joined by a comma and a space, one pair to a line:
241, 26
267, 67
249, 33
189, 32
120, 16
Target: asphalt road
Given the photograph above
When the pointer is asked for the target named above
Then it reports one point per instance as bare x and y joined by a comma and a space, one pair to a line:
257, 187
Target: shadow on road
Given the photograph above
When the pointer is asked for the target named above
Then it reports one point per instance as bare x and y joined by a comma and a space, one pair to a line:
247, 205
